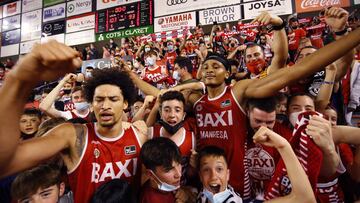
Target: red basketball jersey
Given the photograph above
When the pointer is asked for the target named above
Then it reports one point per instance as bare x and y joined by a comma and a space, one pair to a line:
104, 159
222, 123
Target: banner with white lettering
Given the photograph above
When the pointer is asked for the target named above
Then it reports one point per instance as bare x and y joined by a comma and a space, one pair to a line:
220, 15
11, 23
11, 9
10, 37
10, 50
31, 25
275, 7
53, 28
30, 5
175, 22
78, 7
54, 12
102, 4
83, 37
303, 6
167, 7
80, 23
60, 38
26, 47
96, 63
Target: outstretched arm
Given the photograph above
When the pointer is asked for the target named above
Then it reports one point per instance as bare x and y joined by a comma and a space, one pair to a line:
323, 98
301, 188
142, 85
47, 104
46, 62
269, 85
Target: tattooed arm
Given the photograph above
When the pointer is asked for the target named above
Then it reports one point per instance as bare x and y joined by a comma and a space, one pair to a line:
32, 152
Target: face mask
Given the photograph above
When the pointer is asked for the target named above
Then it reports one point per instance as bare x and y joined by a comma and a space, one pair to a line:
81, 106
147, 49
293, 117
281, 117
164, 186
294, 27
176, 75
150, 61
67, 91
257, 66
218, 197
88, 74
136, 65
169, 128
170, 47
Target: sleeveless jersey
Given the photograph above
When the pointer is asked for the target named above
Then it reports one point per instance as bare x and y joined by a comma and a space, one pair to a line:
222, 123
87, 117
187, 144
104, 159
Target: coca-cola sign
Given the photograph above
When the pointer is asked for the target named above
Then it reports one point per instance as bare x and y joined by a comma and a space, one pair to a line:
303, 6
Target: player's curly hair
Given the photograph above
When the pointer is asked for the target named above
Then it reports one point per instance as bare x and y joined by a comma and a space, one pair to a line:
110, 76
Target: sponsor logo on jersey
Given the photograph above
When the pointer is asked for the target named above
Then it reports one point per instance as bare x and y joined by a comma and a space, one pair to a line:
130, 150
225, 103
96, 153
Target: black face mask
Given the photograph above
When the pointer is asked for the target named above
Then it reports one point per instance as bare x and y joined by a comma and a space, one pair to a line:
282, 117
67, 91
171, 129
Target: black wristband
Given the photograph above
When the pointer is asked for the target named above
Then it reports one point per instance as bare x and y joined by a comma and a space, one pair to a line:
342, 32
279, 27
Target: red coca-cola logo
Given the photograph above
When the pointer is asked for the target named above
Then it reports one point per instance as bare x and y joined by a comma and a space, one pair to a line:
319, 3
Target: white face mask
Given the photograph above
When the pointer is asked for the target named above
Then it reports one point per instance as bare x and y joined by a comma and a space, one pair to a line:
164, 186
147, 49
293, 117
176, 75
150, 61
218, 197
81, 106
88, 74
136, 65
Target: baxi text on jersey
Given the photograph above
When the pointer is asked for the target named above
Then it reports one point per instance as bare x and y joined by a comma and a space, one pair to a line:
100, 174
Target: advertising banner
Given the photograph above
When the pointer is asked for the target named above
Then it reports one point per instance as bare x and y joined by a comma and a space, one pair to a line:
78, 7
30, 5
81, 23
356, 1
97, 63
60, 38
26, 47
11, 9
175, 22
31, 25
10, 50
167, 7
102, 4
52, 2
53, 28
123, 17
10, 37
125, 33
54, 12
275, 7
11, 23
303, 6
220, 15
83, 37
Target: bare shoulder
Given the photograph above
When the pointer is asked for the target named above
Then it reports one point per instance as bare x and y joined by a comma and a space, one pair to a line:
240, 87
141, 130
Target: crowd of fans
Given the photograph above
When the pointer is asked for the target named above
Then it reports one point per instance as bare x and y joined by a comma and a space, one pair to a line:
255, 112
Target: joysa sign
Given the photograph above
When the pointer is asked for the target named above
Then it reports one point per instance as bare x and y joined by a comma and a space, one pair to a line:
303, 6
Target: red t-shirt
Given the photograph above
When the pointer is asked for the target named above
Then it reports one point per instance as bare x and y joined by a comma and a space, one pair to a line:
294, 38
151, 195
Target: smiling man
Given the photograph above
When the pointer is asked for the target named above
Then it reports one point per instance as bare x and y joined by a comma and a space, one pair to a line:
93, 153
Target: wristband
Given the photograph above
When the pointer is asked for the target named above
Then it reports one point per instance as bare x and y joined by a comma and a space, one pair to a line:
341, 33
279, 27
203, 87
328, 82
